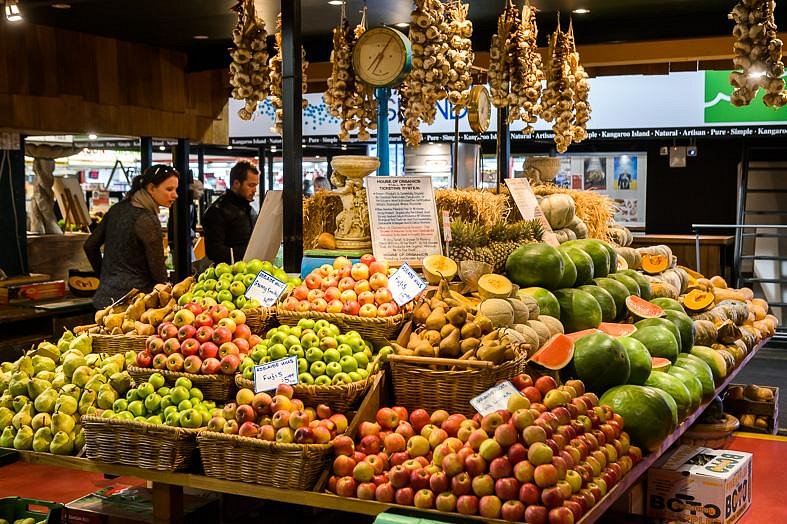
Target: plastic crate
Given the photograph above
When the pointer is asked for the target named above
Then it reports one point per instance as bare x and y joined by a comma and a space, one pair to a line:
14, 508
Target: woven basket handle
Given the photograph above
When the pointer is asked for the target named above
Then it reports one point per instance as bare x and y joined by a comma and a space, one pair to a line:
435, 361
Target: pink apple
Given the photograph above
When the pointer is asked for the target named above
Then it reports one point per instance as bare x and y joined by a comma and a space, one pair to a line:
192, 364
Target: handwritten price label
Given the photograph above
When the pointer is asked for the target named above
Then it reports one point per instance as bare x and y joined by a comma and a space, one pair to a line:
494, 399
266, 289
267, 377
405, 285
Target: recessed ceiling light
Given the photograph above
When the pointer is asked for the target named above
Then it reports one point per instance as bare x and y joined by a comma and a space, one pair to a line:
61, 6
581, 11
229, 147
161, 148
402, 24
12, 12
336, 2
92, 136
201, 37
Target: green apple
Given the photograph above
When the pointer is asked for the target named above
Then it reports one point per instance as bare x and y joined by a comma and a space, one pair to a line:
119, 405
259, 352
157, 380
335, 331
163, 391
166, 401
195, 393
179, 394
267, 266
385, 351
253, 303
310, 340
153, 403
341, 378
278, 337
144, 390
223, 268
314, 354
248, 279
284, 328
364, 373
344, 350
185, 298
225, 295
226, 277
222, 284
199, 293
317, 368
355, 342
270, 333
306, 323
332, 369
280, 274
209, 284
109, 414
125, 415
246, 363
212, 294
167, 410
331, 355
241, 301
355, 376
190, 418
229, 304
238, 278
362, 359
303, 365
237, 289
137, 408
349, 364
141, 418
291, 340
322, 380
305, 378
184, 405
173, 419
296, 350
248, 373
254, 266
184, 382
277, 351
155, 419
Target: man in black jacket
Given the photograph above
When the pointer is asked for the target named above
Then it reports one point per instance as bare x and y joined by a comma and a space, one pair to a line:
229, 221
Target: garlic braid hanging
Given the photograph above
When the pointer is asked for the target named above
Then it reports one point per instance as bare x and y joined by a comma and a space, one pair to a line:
249, 76
275, 67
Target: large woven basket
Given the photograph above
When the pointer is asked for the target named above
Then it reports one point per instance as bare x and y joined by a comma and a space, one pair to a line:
417, 386
290, 466
260, 319
134, 443
113, 344
377, 330
219, 388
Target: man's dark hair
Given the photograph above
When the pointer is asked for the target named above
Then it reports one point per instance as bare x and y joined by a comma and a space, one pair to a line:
239, 171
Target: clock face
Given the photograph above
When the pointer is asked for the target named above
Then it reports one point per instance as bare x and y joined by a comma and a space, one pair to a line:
480, 109
382, 57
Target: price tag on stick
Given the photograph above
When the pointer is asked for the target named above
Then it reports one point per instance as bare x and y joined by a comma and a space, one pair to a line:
267, 377
494, 398
266, 289
405, 285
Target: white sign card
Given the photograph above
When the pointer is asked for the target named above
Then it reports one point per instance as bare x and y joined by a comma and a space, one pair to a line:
405, 285
267, 377
403, 218
266, 289
266, 237
494, 398
527, 203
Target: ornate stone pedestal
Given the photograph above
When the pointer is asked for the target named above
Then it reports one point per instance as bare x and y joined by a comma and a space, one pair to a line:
352, 224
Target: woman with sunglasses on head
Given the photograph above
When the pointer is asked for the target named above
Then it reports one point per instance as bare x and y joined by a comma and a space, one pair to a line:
131, 235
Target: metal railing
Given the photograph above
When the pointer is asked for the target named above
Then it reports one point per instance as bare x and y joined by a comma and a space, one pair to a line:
738, 238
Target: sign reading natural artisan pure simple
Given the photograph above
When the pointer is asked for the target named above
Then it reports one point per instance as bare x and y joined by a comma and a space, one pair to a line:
267, 377
527, 203
494, 398
403, 218
266, 289
405, 285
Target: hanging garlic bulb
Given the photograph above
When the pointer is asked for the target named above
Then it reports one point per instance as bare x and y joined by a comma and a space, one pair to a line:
275, 68
249, 76
460, 54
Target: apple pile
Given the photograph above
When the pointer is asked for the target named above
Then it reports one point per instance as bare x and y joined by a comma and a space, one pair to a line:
547, 458
200, 341
153, 402
278, 418
325, 355
354, 289
227, 284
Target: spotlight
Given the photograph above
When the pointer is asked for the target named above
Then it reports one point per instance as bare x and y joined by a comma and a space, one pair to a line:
12, 12
581, 11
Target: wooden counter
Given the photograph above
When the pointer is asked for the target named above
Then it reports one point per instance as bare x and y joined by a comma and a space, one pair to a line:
716, 251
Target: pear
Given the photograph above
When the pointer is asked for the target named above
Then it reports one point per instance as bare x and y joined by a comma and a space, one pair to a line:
19, 402
72, 390
7, 437
63, 422
120, 382
23, 417
71, 363
46, 375
114, 320
106, 396
128, 325
24, 438
117, 359
66, 404
45, 402
83, 343
42, 439
457, 316
109, 368
7, 401
37, 386
95, 381
81, 375
41, 363
5, 417
421, 313
79, 439
18, 386
131, 358
48, 350
25, 364
87, 401
41, 420
58, 381
449, 347
62, 443
94, 360
436, 319
5, 379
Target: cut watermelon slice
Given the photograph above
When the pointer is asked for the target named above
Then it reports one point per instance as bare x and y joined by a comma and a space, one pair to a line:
576, 335
556, 353
660, 364
614, 329
643, 308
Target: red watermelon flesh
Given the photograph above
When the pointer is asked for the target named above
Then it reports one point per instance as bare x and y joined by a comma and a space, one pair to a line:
643, 308
614, 329
660, 364
556, 353
576, 335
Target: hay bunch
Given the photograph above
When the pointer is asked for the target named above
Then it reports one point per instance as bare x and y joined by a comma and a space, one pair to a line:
472, 205
319, 216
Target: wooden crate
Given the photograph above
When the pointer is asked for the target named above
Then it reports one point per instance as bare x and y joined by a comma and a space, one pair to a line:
769, 410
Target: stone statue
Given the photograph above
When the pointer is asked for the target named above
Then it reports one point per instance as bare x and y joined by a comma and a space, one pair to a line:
42, 213
352, 223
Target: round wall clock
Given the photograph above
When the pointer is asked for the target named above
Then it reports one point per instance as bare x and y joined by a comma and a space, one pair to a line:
382, 57
479, 109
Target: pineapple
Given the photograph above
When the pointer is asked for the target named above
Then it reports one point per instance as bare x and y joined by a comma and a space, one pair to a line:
498, 245
462, 241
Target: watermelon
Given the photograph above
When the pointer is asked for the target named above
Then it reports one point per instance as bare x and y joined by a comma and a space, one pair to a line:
618, 291
547, 303
691, 382
661, 322
582, 262
639, 359
555, 354
597, 252
617, 330
605, 301
535, 264
668, 304
630, 283
585, 332
659, 341
673, 407
642, 308
613, 256
578, 309
700, 369
569, 271
645, 413
660, 364
601, 362
685, 326
642, 282
674, 386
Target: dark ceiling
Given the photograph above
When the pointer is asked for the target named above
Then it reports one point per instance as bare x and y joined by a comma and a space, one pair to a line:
174, 23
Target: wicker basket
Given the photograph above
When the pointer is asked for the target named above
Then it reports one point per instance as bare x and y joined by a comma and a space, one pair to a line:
417, 386
714, 436
133, 443
289, 466
377, 330
260, 319
219, 388
113, 344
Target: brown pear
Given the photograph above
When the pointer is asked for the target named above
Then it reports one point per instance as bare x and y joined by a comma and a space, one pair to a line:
471, 330
491, 337
127, 325
144, 329
436, 319
447, 330
100, 314
151, 301
137, 307
421, 313
182, 287
414, 340
469, 344
484, 323
457, 316
424, 349
433, 337
114, 320
450, 346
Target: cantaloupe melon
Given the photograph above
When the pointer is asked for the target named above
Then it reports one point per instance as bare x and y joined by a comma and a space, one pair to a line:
493, 285
498, 310
437, 267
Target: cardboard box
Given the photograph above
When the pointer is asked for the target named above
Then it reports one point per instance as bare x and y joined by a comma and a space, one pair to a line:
700, 485
121, 504
32, 292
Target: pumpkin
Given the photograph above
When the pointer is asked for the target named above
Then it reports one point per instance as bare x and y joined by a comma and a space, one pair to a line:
692, 274
579, 227
736, 311
661, 249
564, 235
722, 294
654, 264
631, 256
717, 281
728, 332
559, 209
684, 277
663, 289
746, 293
697, 301
80, 283
704, 332
671, 277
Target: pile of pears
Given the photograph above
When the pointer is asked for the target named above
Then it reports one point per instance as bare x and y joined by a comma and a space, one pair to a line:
46, 391
28, 520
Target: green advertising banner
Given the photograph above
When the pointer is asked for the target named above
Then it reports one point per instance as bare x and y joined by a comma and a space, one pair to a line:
718, 108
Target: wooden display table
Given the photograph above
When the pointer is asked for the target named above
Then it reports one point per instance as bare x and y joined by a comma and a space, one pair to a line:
716, 251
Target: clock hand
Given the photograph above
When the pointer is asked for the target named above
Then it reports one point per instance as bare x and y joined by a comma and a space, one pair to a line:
379, 58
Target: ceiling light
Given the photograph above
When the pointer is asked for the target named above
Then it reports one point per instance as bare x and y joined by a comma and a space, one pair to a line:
92, 136
273, 149
201, 37
336, 2
316, 156
161, 148
581, 11
229, 147
12, 12
61, 6
344, 147
402, 24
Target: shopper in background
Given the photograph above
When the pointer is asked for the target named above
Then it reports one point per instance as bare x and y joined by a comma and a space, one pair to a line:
321, 184
229, 221
307, 188
131, 235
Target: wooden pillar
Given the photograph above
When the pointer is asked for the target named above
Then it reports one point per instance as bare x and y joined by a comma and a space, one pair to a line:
13, 214
146, 152
167, 504
181, 257
503, 146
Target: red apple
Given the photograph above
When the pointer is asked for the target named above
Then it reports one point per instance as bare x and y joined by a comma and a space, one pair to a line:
561, 515
346, 487
513, 511
229, 364
529, 494
192, 364
489, 506
536, 515
467, 504
189, 347
144, 359
385, 493
210, 366
462, 484
208, 350
418, 419
404, 496
387, 418
175, 361
507, 488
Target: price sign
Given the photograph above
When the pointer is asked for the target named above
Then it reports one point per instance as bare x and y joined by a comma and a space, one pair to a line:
267, 377
405, 285
494, 398
446, 227
527, 203
266, 289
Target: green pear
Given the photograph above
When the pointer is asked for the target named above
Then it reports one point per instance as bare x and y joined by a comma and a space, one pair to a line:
84, 343
42, 439
81, 375
79, 439
109, 368
24, 438
106, 396
118, 359
62, 443
45, 402
87, 401
130, 357
46, 375
25, 364
49, 350
5, 416
7, 437
95, 381
72, 390
94, 360
121, 382
8, 367
71, 363
41, 420
24, 417
7, 401
41, 363
63, 422
18, 386
59, 380
37, 386
5, 380
67, 336
20, 401
66, 404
